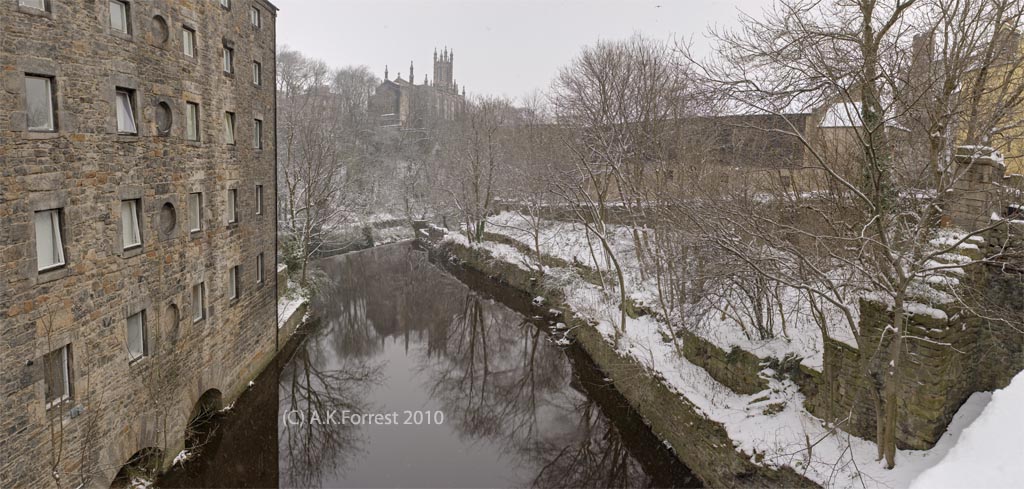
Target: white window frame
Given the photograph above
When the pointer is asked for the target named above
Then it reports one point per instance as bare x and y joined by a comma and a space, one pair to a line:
225, 3
52, 234
257, 134
188, 41
43, 5
257, 73
199, 296
233, 273
125, 10
192, 121
134, 239
229, 60
229, 128
124, 108
195, 209
259, 268
259, 199
143, 337
51, 123
232, 205
65, 360
255, 18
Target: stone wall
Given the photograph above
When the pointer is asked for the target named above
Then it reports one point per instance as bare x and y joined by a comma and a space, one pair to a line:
85, 168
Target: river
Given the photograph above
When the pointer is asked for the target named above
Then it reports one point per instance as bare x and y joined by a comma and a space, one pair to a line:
409, 377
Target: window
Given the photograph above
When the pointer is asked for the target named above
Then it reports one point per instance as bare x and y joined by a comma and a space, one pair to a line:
257, 73
130, 234
233, 283
49, 244
195, 212
126, 111
225, 3
39, 4
39, 103
198, 302
232, 206
188, 41
192, 121
229, 127
119, 16
229, 60
138, 346
259, 268
164, 118
257, 134
57, 366
259, 199
254, 17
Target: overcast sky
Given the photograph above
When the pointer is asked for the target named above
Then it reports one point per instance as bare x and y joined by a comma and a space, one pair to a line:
501, 47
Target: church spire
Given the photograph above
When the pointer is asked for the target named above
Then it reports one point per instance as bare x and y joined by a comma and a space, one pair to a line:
385, 72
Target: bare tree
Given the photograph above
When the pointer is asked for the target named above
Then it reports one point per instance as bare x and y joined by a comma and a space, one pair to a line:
875, 227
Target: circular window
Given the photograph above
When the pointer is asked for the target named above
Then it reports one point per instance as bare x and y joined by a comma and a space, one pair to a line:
163, 118
168, 218
160, 31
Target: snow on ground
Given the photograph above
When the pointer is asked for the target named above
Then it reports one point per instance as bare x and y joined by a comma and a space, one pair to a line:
499, 251
775, 437
289, 303
989, 452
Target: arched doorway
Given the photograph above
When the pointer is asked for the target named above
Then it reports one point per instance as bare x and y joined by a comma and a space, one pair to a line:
143, 465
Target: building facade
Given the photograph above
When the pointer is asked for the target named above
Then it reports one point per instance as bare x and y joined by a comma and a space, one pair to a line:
137, 227
403, 103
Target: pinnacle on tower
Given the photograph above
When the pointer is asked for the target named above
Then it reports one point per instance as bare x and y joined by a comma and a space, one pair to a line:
385, 72
412, 78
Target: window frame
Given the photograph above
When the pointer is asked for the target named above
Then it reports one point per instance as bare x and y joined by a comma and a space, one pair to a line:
259, 268
129, 95
232, 206
44, 8
225, 4
198, 212
143, 336
57, 234
234, 291
192, 118
255, 18
257, 73
135, 205
257, 134
229, 128
68, 384
259, 199
125, 8
190, 34
51, 103
228, 60
201, 289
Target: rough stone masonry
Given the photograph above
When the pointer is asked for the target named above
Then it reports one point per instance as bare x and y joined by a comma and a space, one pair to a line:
71, 322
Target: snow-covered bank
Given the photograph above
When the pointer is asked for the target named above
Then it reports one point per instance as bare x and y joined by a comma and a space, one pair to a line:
771, 428
989, 452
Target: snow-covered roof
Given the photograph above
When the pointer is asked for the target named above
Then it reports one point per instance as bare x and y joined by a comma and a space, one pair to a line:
846, 114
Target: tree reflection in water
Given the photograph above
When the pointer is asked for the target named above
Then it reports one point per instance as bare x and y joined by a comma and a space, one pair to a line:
495, 376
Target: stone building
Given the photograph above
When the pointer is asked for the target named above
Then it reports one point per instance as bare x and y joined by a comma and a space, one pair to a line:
137, 227
403, 103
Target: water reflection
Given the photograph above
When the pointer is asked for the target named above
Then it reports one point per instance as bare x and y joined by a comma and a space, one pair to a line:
397, 334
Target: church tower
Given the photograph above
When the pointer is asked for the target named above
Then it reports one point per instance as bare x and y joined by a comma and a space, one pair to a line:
443, 69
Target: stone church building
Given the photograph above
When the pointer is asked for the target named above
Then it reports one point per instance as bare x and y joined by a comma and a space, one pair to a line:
403, 103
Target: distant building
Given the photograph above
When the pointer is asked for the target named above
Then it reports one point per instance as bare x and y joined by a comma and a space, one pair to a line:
403, 103
137, 224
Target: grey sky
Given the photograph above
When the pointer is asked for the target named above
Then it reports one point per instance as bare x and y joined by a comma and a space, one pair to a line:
501, 47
